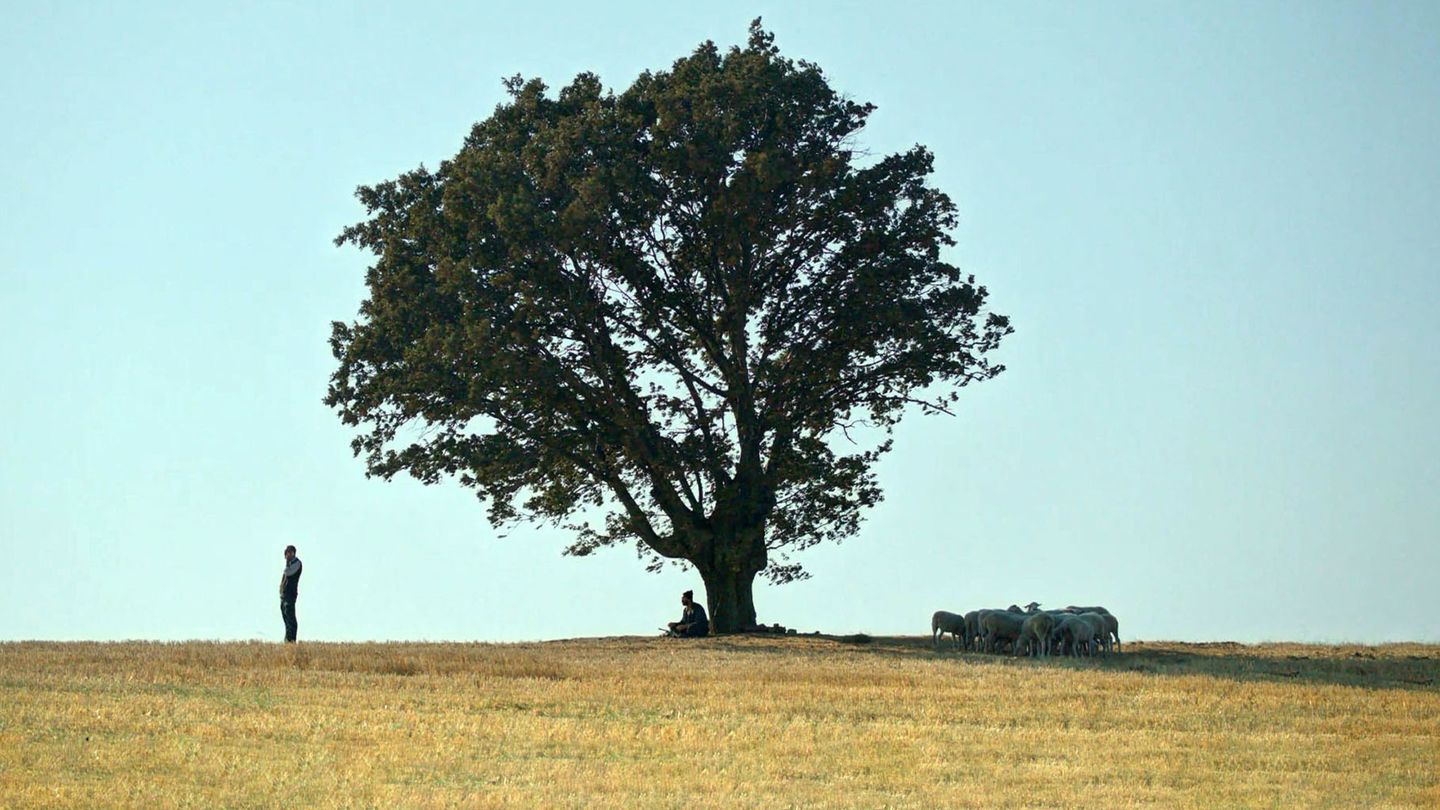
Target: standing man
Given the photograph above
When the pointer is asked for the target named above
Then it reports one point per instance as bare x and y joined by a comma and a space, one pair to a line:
289, 589
693, 621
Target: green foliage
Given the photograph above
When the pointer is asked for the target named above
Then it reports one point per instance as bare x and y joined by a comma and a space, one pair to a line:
667, 307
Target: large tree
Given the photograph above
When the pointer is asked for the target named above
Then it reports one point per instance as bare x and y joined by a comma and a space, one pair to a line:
686, 316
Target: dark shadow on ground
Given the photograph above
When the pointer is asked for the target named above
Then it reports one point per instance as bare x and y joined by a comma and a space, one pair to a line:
1387, 666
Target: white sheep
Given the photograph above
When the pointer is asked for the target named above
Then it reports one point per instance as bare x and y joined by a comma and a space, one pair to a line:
998, 626
1098, 632
1035, 632
1111, 631
1074, 632
972, 629
946, 622
1101, 624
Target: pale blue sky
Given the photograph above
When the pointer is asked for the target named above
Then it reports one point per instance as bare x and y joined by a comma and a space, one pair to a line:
1214, 225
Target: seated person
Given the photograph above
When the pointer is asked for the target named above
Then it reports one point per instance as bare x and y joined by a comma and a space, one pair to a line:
693, 622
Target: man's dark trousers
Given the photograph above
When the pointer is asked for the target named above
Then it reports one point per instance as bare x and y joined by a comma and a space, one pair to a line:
287, 612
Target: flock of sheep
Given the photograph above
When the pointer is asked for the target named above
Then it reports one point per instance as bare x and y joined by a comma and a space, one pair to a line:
1071, 631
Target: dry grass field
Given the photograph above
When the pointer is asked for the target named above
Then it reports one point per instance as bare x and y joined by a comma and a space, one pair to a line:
719, 722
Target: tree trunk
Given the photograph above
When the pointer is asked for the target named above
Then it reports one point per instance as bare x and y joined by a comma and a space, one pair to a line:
729, 555
730, 597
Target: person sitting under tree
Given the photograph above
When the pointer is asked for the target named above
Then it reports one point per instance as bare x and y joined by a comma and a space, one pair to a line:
693, 622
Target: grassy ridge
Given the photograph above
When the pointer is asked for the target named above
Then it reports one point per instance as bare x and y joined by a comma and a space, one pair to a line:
733, 721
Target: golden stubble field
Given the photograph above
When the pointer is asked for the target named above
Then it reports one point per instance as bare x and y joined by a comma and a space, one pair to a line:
722, 722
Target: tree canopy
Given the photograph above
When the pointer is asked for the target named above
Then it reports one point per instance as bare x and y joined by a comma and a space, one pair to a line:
657, 317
